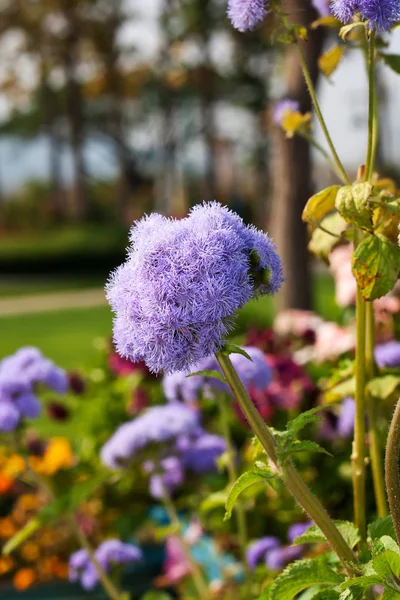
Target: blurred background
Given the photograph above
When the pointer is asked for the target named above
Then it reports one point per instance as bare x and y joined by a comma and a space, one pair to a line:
113, 108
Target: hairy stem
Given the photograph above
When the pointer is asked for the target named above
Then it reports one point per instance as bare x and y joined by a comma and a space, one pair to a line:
197, 576
288, 473
375, 447
372, 110
392, 470
233, 475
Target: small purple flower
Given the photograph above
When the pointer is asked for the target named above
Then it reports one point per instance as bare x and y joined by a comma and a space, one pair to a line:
199, 455
176, 295
280, 557
297, 529
388, 354
171, 477
159, 424
344, 10
322, 7
282, 108
9, 416
246, 14
345, 422
111, 552
257, 550
381, 15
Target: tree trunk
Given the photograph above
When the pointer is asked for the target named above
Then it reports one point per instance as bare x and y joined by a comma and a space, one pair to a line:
292, 170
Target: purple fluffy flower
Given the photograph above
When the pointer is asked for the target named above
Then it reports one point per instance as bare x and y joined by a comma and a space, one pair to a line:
381, 15
246, 14
170, 476
111, 552
176, 295
257, 550
19, 375
159, 424
388, 355
255, 374
322, 7
199, 455
282, 108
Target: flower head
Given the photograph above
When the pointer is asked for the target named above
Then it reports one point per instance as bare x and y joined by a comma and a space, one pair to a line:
19, 375
246, 14
170, 475
381, 15
111, 552
282, 108
388, 355
199, 455
176, 295
159, 424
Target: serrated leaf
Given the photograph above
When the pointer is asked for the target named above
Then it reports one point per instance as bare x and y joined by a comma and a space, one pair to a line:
363, 582
383, 387
306, 446
382, 527
245, 481
389, 543
326, 595
392, 61
352, 202
213, 374
228, 349
387, 564
330, 60
376, 264
314, 535
304, 419
322, 242
301, 575
213, 501
319, 205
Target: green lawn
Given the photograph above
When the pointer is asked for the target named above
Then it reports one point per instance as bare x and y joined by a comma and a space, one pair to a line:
68, 336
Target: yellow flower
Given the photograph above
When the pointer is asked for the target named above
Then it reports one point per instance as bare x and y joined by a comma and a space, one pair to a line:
15, 465
58, 455
23, 579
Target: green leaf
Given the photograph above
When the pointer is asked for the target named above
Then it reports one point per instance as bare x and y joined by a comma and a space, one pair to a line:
304, 419
352, 202
245, 481
301, 575
213, 501
340, 391
314, 535
266, 595
382, 527
324, 240
326, 595
306, 446
228, 349
363, 582
320, 205
383, 387
390, 595
392, 61
213, 374
387, 564
352, 594
376, 264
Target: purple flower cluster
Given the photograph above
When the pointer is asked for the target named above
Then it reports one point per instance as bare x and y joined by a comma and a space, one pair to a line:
275, 554
282, 108
381, 15
111, 552
388, 354
246, 14
19, 375
322, 7
177, 293
158, 425
341, 426
255, 375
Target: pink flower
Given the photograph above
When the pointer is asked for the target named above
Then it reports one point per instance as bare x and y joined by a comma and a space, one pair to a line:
299, 323
332, 341
340, 263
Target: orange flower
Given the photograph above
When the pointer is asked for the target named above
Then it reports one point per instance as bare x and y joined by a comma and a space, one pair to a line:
7, 528
6, 564
6, 483
30, 552
28, 502
23, 579
58, 455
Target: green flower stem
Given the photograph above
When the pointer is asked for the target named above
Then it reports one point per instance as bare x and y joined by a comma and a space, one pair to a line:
288, 473
372, 110
307, 76
392, 470
233, 475
112, 592
198, 580
375, 448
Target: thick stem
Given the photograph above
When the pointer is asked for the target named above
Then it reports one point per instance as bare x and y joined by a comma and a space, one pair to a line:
339, 166
294, 483
358, 455
372, 110
197, 576
392, 470
375, 447
233, 475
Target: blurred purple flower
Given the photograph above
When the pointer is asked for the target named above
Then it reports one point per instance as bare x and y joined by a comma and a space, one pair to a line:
159, 424
322, 7
273, 552
111, 552
9, 416
341, 426
171, 476
257, 550
282, 108
296, 530
280, 557
382, 15
246, 14
388, 355
200, 455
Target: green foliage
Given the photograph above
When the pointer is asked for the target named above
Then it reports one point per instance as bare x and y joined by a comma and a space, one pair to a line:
382, 527
319, 205
228, 349
302, 420
325, 237
213, 374
392, 61
257, 475
314, 535
213, 501
301, 575
326, 595
383, 387
352, 203
376, 263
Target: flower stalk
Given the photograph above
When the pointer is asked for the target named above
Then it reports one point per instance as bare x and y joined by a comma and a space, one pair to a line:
287, 471
392, 472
